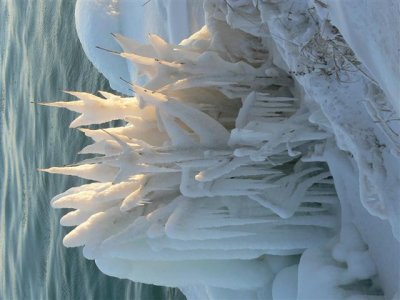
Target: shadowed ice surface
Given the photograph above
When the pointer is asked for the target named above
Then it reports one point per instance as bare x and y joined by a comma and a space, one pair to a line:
40, 57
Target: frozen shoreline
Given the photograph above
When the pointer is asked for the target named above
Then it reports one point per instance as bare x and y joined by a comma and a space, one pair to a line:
337, 127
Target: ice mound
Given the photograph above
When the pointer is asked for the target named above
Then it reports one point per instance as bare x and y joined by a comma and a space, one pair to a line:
248, 166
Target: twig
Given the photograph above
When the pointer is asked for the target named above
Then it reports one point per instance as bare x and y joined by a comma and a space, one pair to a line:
107, 50
146, 2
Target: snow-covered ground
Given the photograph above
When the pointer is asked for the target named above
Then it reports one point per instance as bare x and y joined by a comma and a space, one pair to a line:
260, 159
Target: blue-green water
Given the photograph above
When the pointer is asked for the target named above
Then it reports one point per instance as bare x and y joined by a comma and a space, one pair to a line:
40, 57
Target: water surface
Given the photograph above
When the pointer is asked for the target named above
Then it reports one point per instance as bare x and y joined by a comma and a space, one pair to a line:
40, 57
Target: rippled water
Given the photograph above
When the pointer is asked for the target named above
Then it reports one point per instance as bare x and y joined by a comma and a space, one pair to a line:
40, 57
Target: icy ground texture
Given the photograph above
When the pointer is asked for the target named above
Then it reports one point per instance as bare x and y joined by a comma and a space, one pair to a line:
259, 161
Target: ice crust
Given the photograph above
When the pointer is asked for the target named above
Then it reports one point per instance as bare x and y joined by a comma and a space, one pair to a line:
255, 161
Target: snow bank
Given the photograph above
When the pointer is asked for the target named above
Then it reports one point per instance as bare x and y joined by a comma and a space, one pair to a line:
251, 165
377, 46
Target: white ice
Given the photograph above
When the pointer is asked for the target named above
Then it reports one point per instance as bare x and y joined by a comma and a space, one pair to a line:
259, 158
96, 20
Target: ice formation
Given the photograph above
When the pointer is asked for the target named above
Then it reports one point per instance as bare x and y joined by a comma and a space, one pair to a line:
96, 19
251, 164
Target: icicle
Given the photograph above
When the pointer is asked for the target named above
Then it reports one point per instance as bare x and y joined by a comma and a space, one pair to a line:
209, 131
